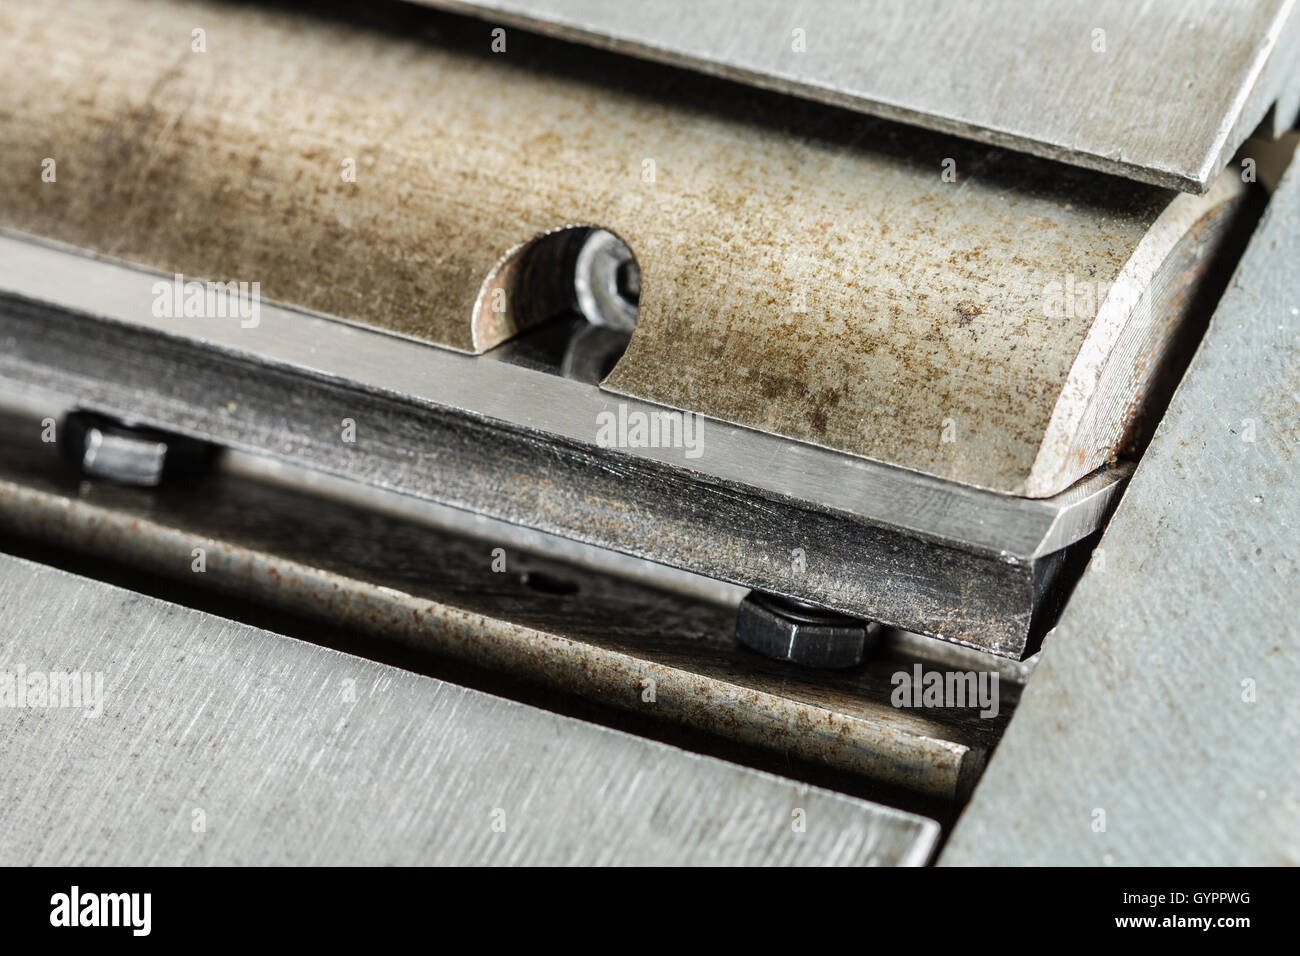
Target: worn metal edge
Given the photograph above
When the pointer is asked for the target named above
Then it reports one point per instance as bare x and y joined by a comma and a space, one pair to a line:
619, 502
886, 496
1119, 314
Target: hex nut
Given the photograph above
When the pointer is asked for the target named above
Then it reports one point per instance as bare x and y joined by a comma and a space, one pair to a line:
787, 630
101, 447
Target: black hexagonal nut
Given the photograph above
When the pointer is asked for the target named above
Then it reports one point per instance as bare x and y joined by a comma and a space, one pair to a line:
791, 631
102, 447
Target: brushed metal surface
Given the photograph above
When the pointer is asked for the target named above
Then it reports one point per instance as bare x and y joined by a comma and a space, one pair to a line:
1163, 709
805, 271
1165, 94
223, 744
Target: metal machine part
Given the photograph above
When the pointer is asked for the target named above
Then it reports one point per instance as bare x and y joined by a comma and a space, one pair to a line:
347, 558
1160, 725
802, 633
1174, 86
958, 311
607, 282
120, 454
103, 448
657, 396
982, 346
521, 445
367, 764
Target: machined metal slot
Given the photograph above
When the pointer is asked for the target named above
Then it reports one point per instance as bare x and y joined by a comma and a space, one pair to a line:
662, 654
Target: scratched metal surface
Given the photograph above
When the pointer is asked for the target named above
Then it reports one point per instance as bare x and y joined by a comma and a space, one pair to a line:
294, 754
805, 271
268, 540
1165, 95
1166, 699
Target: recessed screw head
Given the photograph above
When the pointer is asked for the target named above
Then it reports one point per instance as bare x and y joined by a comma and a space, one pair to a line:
607, 282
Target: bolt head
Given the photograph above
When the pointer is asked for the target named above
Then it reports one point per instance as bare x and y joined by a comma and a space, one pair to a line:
812, 637
103, 448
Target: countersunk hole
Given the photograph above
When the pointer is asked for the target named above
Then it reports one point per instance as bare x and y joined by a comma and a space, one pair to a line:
545, 583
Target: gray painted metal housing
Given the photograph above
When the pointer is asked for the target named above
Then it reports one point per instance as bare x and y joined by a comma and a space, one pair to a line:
1162, 723
1163, 92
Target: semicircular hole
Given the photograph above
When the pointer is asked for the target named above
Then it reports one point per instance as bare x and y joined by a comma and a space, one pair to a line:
566, 303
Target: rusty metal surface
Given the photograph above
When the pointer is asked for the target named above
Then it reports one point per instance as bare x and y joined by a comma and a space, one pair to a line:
214, 743
1183, 81
595, 635
1161, 725
955, 369
807, 276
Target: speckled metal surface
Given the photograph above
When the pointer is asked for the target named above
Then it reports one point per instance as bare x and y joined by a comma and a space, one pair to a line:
214, 743
801, 274
595, 635
1161, 725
